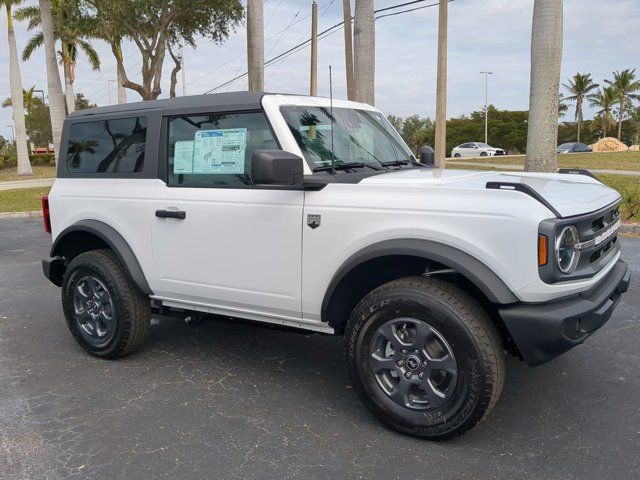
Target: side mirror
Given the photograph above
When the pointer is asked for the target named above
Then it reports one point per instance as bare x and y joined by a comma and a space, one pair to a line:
275, 167
475, 146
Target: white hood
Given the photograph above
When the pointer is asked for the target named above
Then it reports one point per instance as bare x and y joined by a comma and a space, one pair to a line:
568, 194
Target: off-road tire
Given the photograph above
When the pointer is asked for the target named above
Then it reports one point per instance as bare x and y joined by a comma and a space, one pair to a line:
132, 308
462, 322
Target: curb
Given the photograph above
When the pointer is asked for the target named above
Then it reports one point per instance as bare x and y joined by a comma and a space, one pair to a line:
10, 215
630, 229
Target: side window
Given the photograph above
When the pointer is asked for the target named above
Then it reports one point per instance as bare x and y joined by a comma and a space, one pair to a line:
214, 150
107, 146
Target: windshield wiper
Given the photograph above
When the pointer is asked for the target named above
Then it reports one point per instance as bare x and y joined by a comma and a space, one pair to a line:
345, 166
399, 163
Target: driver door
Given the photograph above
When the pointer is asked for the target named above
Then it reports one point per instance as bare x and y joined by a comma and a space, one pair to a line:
218, 240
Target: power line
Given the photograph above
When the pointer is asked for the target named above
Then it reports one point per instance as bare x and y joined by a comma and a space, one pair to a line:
326, 33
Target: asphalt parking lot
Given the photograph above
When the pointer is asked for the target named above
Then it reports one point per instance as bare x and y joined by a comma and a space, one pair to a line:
239, 401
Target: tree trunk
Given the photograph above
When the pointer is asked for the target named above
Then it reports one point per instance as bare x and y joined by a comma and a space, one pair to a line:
255, 45
546, 56
440, 145
364, 46
620, 117
122, 91
348, 49
579, 108
17, 100
174, 71
56, 100
68, 88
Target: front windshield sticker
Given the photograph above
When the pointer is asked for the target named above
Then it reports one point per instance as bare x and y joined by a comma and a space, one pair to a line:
183, 157
219, 151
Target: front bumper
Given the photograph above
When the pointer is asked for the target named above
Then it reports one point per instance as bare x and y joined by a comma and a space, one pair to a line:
542, 331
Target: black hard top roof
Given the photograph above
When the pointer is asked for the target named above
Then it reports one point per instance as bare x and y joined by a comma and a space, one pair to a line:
213, 102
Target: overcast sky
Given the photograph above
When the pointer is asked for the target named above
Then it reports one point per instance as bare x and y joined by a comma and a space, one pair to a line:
599, 36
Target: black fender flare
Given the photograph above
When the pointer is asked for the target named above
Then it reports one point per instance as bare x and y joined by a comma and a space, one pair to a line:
114, 240
470, 267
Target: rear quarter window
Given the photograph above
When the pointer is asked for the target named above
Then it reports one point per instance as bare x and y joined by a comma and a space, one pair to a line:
107, 146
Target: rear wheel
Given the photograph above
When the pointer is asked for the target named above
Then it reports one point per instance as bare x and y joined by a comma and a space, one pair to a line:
483, 154
457, 155
105, 311
424, 357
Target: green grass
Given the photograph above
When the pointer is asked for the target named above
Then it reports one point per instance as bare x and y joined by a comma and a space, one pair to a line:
9, 174
589, 161
22, 200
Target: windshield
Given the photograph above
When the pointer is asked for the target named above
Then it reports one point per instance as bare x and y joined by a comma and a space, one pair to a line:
358, 136
566, 145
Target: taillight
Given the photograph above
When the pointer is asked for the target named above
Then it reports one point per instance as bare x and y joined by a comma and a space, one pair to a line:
45, 213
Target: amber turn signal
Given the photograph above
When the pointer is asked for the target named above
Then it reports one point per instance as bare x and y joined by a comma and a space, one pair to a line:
543, 250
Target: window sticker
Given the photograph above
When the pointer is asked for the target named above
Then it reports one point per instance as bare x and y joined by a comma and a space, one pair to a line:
219, 151
183, 157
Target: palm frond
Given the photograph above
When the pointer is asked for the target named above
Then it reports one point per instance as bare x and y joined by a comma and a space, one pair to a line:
34, 42
90, 53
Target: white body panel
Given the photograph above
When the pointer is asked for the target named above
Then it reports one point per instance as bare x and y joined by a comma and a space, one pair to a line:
237, 249
248, 252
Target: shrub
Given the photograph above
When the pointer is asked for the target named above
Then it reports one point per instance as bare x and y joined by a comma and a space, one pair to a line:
42, 159
629, 190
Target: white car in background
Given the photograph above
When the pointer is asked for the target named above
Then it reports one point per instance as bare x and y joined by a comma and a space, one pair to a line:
476, 149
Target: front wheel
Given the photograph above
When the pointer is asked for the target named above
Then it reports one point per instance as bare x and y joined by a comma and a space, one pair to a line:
483, 154
457, 155
424, 357
105, 311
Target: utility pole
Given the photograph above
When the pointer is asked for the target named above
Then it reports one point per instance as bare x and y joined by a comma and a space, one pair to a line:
348, 49
313, 83
486, 105
122, 92
441, 87
255, 45
184, 75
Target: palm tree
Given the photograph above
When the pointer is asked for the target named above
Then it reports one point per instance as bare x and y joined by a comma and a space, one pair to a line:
625, 85
71, 28
17, 99
546, 57
364, 52
604, 99
28, 99
563, 108
579, 87
56, 100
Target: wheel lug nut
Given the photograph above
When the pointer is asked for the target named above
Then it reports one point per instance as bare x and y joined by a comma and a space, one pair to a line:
404, 351
416, 351
421, 375
399, 363
407, 375
424, 363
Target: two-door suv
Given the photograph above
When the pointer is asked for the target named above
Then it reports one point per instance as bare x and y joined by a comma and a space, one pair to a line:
311, 213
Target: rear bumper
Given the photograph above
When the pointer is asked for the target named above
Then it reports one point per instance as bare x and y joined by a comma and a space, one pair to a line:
542, 331
53, 269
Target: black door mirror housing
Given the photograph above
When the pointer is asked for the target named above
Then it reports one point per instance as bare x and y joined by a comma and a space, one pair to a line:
276, 167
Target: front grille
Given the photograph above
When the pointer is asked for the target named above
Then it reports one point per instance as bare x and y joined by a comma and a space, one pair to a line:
499, 152
599, 244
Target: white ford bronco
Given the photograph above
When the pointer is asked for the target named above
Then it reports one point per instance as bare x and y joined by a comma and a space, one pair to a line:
311, 213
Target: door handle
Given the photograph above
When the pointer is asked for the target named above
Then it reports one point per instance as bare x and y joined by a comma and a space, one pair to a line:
179, 214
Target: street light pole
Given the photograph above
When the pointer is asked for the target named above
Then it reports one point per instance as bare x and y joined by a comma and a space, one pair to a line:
13, 135
486, 105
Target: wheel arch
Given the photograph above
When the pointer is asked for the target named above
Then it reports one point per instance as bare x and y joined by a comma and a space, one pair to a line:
87, 235
392, 259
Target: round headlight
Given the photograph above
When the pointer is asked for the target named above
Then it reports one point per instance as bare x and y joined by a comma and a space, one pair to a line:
566, 254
